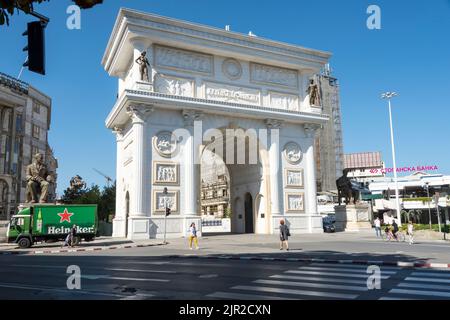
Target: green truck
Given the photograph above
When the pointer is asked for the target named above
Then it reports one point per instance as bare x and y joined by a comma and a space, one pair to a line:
48, 222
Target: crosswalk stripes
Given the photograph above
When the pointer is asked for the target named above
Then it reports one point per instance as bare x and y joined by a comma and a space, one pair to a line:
422, 285
314, 281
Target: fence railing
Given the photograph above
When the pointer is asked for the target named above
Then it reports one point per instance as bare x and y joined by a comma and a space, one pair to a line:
13, 83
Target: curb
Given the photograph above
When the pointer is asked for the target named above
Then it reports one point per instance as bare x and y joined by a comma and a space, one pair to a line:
402, 264
79, 249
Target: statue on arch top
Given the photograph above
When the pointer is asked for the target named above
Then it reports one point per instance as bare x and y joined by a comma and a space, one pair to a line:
143, 63
314, 93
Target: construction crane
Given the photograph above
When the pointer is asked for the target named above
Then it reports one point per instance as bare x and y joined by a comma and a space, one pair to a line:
108, 179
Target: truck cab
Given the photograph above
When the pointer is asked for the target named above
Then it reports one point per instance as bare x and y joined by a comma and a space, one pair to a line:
19, 229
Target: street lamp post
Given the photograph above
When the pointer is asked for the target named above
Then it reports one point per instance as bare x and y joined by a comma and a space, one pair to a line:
388, 96
165, 214
428, 196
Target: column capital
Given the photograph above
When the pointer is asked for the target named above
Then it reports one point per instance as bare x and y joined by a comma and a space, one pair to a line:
273, 123
311, 129
190, 116
118, 131
139, 113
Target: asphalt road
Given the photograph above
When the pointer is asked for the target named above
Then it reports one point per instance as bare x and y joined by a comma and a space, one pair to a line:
144, 277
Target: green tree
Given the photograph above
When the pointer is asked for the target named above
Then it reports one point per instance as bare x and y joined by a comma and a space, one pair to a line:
8, 7
105, 199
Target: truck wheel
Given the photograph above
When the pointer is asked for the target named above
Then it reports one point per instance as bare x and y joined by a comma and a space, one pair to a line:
76, 241
24, 243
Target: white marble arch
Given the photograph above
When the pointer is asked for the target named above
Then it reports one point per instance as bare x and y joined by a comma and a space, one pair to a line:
143, 109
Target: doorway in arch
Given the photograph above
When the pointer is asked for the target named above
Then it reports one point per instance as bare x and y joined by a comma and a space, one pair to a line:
249, 221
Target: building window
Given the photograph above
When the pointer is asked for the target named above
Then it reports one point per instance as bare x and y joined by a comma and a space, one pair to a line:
36, 107
19, 126
36, 131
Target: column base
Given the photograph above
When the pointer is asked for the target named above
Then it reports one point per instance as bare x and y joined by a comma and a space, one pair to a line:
143, 228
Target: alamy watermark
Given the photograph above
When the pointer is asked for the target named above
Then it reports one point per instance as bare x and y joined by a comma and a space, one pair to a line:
374, 279
373, 21
73, 21
74, 280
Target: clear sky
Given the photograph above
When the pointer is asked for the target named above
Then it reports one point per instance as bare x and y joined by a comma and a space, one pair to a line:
410, 55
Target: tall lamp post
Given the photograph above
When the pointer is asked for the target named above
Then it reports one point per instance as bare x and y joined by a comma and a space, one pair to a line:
388, 95
429, 200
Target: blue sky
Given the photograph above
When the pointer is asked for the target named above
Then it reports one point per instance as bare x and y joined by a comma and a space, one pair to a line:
410, 55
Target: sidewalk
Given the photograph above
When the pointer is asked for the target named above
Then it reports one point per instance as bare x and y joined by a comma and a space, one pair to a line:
345, 247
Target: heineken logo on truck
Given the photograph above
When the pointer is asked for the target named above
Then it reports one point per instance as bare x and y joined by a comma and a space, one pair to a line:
65, 216
62, 230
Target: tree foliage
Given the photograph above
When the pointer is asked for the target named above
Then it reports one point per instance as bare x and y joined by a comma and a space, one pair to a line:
8, 7
105, 199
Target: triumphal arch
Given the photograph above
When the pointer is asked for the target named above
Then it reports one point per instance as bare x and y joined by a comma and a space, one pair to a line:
186, 90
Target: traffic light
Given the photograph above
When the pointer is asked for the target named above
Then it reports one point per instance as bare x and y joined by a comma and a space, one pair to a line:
35, 47
167, 212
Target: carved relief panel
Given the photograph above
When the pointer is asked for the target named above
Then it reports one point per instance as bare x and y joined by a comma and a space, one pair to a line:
184, 60
174, 85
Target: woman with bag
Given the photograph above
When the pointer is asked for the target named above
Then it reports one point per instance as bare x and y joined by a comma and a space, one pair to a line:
284, 235
193, 236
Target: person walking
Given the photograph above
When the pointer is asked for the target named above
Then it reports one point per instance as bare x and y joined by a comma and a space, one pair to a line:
193, 236
411, 232
377, 223
284, 235
394, 229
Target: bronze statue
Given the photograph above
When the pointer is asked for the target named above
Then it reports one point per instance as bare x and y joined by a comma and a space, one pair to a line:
314, 94
38, 180
142, 61
345, 189
77, 183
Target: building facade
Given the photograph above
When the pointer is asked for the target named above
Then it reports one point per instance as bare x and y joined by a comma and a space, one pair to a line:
25, 115
206, 89
365, 167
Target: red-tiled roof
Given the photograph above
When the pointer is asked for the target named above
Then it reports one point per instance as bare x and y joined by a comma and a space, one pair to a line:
363, 160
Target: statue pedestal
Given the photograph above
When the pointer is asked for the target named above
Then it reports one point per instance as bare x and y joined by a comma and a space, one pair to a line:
353, 217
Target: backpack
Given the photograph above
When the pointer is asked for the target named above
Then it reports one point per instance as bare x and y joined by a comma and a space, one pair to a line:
287, 232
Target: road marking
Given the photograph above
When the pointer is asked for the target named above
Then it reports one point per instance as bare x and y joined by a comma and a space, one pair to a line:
421, 292
297, 292
107, 277
311, 285
243, 296
364, 270
37, 266
427, 280
423, 286
431, 274
277, 276
208, 276
150, 262
351, 266
394, 298
332, 274
140, 270
67, 291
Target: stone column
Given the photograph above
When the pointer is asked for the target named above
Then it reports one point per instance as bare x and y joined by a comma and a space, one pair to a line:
138, 115
275, 169
310, 174
191, 172
119, 220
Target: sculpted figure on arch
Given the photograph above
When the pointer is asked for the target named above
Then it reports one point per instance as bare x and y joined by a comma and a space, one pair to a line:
143, 63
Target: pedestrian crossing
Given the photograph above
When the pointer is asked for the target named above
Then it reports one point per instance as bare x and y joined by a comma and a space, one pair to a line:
340, 281
313, 281
430, 284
